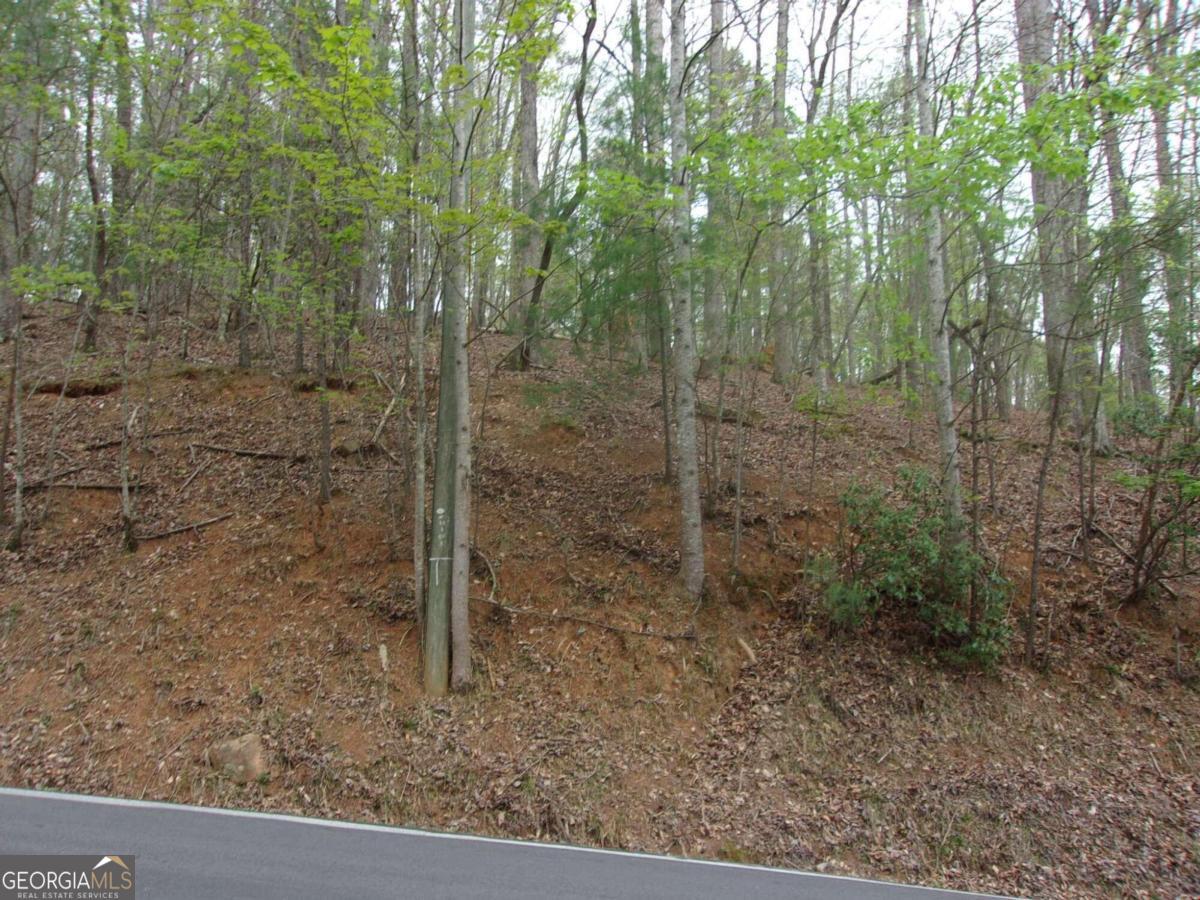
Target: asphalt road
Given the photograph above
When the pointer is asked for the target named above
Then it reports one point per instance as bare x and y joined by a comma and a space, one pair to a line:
192, 853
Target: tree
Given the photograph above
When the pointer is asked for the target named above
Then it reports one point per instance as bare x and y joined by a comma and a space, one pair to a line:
447, 619
1161, 22
784, 363
691, 554
714, 283
1135, 342
939, 301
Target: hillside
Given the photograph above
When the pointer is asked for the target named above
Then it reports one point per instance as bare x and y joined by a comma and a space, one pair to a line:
607, 711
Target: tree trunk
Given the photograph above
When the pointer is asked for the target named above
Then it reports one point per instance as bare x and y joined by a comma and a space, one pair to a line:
528, 257
1035, 41
460, 619
782, 330
714, 285
1135, 343
691, 533
1164, 36
654, 92
413, 277
446, 612
122, 172
943, 386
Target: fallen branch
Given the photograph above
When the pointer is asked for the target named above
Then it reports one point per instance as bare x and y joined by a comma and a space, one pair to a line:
194, 526
886, 376
254, 454
383, 421
51, 479
200, 468
1157, 579
116, 442
90, 486
1112, 540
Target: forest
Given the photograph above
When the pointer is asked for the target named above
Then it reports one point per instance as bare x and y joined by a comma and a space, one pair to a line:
753, 429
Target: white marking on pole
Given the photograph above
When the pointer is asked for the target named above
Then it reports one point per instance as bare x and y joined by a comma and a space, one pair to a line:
438, 559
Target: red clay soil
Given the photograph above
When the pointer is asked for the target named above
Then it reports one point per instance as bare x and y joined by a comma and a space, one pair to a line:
762, 739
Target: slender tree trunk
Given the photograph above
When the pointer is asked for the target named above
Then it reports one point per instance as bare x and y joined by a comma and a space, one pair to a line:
99, 249
523, 355
908, 365
414, 279
447, 613
714, 284
529, 189
819, 65
1035, 42
655, 98
782, 326
460, 620
17, 531
1135, 344
1163, 18
639, 351
691, 533
943, 386
122, 171
996, 358
325, 434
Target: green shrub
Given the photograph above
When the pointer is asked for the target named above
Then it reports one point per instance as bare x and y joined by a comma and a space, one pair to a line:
892, 560
1138, 416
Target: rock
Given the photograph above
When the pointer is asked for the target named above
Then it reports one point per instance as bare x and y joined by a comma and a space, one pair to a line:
241, 759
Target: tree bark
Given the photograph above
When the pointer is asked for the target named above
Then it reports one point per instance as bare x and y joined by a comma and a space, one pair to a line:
460, 619
684, 351
1135, 343
1163, 44
943, 386
780, 308
654, 92
416, 306
1035, 34
714, 284
529, 190
447, 620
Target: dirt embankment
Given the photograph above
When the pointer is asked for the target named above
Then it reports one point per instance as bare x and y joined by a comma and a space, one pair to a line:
762, 739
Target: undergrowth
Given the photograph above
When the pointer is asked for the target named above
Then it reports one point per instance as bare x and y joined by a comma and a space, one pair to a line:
894, 562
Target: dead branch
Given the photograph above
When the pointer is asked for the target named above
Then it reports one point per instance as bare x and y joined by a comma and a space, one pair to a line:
116, 442
383, 421
194, 526
50, 479
200, 468
1157, 579
253, 454
89, 486
886, 376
